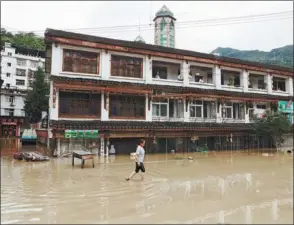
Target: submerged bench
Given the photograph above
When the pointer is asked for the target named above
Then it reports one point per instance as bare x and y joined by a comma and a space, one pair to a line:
83, 155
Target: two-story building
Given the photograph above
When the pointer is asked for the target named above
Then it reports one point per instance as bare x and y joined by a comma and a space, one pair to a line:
175, 99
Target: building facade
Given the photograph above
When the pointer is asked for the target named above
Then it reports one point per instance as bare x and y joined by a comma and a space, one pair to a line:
175, 99
164, 28
18, 65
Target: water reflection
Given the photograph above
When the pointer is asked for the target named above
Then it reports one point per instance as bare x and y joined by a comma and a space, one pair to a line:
207, 190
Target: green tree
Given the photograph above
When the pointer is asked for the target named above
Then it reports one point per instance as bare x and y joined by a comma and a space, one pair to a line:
29, 40
272, 124
36, 99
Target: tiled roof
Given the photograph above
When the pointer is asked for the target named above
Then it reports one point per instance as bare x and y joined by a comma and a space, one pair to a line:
169, 88
151, 126
156, 48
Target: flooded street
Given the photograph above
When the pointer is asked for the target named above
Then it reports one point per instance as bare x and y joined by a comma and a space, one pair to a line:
241, 189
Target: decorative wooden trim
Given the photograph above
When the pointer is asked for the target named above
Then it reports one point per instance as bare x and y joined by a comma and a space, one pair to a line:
187, 104
105, 100
127, 118
149, 102
80, 87
79, 116
164, 55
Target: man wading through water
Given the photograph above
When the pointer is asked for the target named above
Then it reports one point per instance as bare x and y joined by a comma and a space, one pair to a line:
139, 159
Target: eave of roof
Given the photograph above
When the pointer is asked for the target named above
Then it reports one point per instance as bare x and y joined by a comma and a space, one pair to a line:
156, 48
175, 89
151, 126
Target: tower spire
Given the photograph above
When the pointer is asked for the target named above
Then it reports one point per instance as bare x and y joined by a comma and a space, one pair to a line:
164, 29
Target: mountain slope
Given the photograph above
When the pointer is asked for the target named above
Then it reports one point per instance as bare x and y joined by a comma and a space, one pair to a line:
279, 56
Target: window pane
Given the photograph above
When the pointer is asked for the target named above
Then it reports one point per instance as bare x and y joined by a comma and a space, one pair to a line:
155, 110
199, 111
127, 106
192, 111
80, 62
79, 104
124, 66
228, 112
163, 110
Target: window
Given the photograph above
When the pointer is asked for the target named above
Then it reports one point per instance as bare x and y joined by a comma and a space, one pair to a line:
127, 106
80, 62
9, 112
8, 85
9, 54
233, 111
261, 106
34, 64
123, 66
159, 109
279, 84
21, 62
196, 109
11, 99
159, 72
31, 74
9, 64
202, 109
20, 72
31, 83
7, 74
79, 104
20, 82
227, 110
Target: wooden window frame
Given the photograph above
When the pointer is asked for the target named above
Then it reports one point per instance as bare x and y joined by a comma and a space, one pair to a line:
126, 117
97, 54
69, 115
122, 63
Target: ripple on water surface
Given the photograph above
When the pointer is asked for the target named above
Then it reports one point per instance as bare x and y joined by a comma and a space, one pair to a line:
54, 192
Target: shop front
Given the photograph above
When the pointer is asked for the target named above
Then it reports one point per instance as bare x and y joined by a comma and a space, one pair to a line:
287, 108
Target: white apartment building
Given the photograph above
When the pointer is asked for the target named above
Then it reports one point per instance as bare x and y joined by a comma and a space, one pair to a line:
18, 65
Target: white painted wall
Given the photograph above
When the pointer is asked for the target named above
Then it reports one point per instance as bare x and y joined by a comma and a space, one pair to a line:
104, 73
8, 55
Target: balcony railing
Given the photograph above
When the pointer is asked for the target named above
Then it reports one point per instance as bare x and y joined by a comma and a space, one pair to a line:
202, 120
165, 119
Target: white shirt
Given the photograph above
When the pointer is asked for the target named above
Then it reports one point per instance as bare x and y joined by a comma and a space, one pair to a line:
141, 153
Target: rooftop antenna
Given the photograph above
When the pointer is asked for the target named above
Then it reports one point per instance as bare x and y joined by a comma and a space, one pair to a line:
139, 27
150, 24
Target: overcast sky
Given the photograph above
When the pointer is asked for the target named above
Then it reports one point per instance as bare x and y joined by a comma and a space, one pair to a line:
265, 35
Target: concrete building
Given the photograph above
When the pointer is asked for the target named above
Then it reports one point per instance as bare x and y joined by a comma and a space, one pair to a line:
164, 28
175, 99
18, 65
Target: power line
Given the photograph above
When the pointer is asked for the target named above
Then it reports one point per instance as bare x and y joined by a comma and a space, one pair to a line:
178, 23
189, 26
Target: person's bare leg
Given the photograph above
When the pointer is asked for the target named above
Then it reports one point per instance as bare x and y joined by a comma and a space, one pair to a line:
142, 176
131, 175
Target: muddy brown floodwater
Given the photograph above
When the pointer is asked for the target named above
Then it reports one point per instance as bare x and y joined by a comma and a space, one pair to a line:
239, 189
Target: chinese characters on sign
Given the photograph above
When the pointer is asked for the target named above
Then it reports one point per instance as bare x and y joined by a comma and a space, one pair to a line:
81, 133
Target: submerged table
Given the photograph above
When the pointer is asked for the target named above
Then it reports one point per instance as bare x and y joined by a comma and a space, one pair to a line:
83, 155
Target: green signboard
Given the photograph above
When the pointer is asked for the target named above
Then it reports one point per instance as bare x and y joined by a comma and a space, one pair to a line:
81, 133
285, 106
